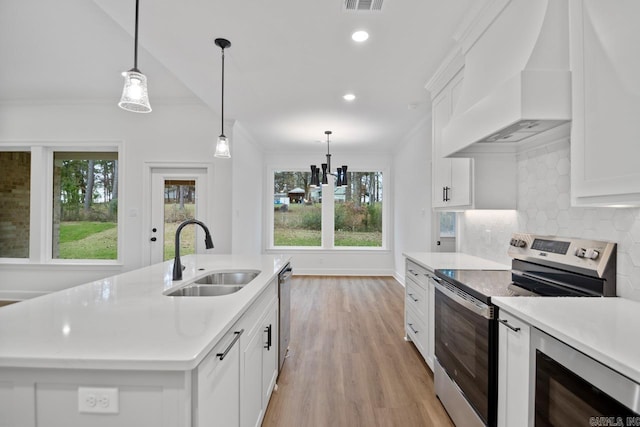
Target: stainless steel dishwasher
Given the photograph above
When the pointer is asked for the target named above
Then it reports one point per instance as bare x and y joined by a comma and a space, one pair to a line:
284, 297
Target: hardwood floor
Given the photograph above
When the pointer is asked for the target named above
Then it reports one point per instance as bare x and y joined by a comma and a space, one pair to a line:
348, 363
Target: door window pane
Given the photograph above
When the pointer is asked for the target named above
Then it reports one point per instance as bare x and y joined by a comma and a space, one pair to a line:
179, 206
15, 194
297, 210
358, 210
85, 205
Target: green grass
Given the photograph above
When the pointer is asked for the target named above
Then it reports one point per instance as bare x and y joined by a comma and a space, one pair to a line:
88, 240
297, 237
355, 238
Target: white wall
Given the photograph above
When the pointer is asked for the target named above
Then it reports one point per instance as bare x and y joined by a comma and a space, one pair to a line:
247, 201
336, 261
412, 189
544, 208
171, 133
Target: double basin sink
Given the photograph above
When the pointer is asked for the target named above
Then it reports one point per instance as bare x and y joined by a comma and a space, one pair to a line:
216, 284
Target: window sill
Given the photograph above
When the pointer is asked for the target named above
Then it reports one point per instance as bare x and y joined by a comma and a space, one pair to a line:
341, 249
62, 264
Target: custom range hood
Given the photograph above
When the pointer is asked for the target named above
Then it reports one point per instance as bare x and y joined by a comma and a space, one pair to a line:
517, 82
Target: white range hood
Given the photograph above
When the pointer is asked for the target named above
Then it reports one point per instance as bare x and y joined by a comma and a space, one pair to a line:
517, 82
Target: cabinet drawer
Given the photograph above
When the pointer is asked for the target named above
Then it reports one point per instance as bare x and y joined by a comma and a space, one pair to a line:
416, 330
416, 297
417, 273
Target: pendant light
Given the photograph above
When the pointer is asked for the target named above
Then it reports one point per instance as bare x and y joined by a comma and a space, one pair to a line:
135, 97
222, 146
340, 175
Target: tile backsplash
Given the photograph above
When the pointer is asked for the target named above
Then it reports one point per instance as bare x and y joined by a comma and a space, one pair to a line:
544, 207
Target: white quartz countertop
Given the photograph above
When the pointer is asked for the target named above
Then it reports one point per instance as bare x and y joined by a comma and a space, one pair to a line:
453, 260
605, 329
126, 321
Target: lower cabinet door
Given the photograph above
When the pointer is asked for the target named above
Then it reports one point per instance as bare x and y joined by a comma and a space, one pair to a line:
251, 381
269, 354
219, 385
513, 372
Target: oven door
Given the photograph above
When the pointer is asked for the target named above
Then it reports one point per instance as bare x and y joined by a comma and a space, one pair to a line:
571, 389
464, 331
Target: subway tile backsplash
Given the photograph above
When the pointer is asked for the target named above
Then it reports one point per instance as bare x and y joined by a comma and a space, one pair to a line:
544, 207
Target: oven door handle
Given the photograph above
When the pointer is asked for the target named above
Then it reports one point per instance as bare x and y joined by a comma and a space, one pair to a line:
467, 301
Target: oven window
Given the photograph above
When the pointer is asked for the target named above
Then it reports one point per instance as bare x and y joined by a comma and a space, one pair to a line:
565, 399
462, 349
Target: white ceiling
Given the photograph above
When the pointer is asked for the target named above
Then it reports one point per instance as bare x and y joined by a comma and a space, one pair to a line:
288, 66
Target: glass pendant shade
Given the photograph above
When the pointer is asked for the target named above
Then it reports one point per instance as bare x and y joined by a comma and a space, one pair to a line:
135, 97
222, 148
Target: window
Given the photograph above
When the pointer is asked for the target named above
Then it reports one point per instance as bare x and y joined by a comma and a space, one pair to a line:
358, 210
15, 203
327, 217
85, 205
58, 202
297, 210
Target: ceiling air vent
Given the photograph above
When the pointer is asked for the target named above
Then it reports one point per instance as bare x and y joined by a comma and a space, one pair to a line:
363, 5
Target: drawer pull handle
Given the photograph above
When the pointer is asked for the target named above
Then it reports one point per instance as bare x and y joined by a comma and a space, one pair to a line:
228, 349
413, 298
413, 272
411, 326
506, 323
268, 343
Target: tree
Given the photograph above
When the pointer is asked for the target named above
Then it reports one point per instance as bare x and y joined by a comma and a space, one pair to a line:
88, 195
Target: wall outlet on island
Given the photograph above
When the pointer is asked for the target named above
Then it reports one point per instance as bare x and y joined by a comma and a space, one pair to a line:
98, 400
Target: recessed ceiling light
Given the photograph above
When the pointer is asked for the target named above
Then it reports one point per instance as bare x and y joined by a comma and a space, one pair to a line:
360, 36
349, 97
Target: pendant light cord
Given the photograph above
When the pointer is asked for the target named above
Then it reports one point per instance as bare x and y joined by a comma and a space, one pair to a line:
222, 106
135, 43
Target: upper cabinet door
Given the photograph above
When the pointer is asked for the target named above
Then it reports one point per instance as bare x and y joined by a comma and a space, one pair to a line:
605, 135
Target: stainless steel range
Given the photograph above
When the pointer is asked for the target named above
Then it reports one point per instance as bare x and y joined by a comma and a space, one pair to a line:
466, 328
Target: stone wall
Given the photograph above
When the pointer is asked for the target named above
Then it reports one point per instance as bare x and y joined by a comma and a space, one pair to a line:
15, 182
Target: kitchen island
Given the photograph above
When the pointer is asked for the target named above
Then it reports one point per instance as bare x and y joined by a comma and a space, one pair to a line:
124, 335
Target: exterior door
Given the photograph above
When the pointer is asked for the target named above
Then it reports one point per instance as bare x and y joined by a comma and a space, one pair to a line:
175, 197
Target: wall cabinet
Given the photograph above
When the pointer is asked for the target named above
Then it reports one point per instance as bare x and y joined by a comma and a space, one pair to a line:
451, 177
513, 371
606, 103
419, 310
488, 181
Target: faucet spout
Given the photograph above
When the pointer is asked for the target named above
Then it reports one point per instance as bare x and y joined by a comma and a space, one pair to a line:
177, 265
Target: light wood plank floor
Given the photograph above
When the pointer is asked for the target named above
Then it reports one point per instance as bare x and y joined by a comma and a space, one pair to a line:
348, 363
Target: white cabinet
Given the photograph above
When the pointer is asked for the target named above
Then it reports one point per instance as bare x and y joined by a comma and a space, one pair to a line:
451, 177
218, 384
419, 312
259, 358
513, 371
488, 181
606, 102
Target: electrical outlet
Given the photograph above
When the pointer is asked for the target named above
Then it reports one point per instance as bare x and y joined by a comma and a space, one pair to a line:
94, 400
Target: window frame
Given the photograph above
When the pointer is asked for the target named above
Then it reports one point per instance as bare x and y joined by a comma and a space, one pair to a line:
328, 212
41, 199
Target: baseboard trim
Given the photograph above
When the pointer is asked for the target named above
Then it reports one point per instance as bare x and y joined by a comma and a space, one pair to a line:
341, 272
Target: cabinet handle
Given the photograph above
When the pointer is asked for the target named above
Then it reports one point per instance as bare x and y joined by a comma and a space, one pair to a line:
413, 298
268, 331
446, 194
506, 323
228, 349
444, 191
413, 272
411, 326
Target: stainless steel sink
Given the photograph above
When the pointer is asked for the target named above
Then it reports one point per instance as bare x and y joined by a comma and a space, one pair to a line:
216, 284
228, 278
205, 290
